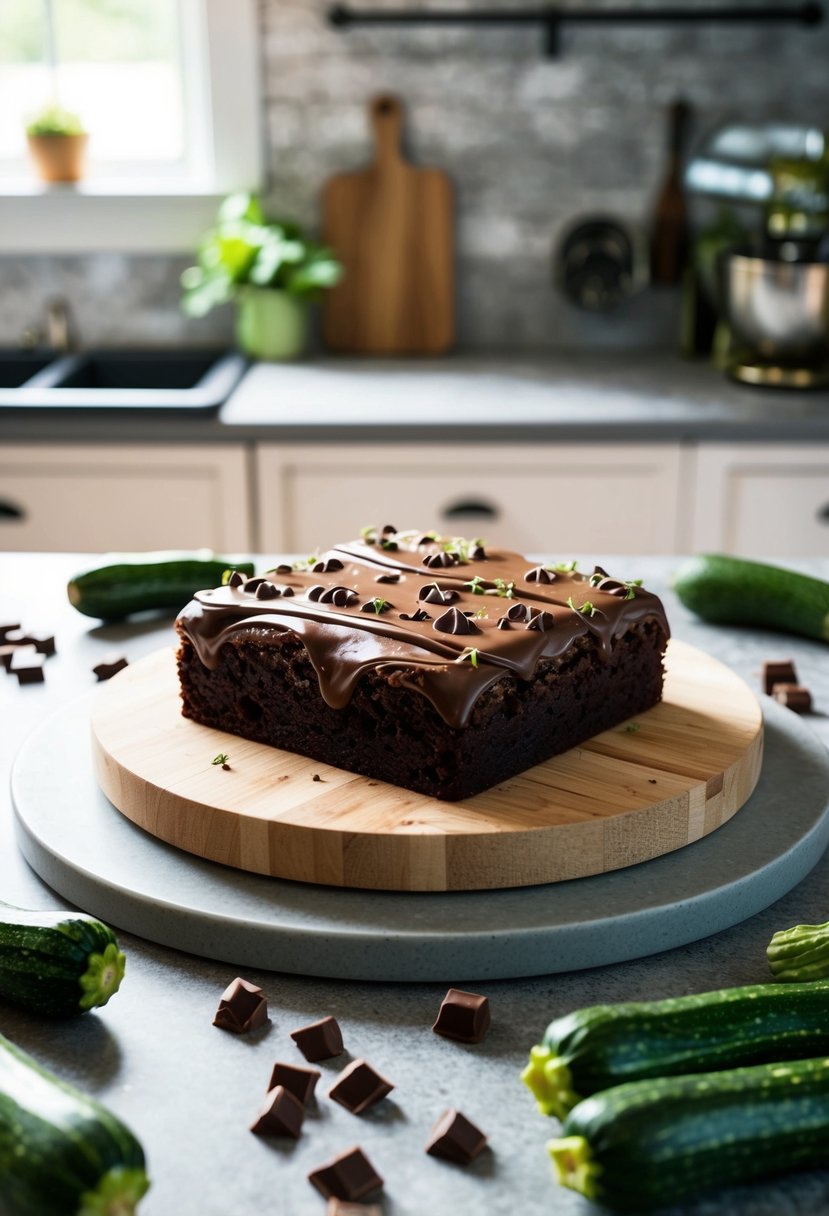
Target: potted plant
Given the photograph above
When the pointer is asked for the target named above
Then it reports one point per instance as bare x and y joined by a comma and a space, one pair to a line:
269, 269
57, 143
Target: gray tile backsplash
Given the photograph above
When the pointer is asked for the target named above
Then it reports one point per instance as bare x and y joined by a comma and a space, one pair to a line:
530, 142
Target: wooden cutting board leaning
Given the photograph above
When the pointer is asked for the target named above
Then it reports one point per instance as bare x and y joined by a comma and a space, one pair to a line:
391, 225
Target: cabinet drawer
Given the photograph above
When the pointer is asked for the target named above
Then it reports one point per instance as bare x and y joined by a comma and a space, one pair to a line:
100, 498
763, 502
556, 501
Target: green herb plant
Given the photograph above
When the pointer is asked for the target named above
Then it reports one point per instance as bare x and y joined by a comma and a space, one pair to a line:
246, 248
54, 120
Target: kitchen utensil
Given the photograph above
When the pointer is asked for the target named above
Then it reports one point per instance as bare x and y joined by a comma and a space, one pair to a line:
622, 797
778, 312
669, 231
391, 225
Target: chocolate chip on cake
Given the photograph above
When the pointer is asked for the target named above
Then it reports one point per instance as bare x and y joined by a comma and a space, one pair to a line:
455, 1138
236, 579
327, 565
267, 591
541, 622
463, 1016
455, 621
281, 1114
349, 1176
242, 1008
433, 594
442, 558
778, 673
320, 1040
539, 574
301, 1082
358, 1087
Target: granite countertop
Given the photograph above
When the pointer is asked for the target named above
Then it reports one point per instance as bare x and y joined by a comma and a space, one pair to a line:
567, 398
190, 1091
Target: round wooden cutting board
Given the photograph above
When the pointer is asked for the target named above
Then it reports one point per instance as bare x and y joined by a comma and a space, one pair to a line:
635, 792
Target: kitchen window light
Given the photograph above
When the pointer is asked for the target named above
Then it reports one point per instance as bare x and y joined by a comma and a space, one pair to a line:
169, 91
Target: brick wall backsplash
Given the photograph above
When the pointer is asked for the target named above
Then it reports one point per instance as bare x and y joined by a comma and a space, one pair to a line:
531, 144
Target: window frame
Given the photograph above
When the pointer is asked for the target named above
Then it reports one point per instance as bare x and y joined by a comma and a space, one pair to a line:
159, 217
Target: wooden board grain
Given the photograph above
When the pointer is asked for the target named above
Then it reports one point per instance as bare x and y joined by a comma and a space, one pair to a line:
632, 793
391, 225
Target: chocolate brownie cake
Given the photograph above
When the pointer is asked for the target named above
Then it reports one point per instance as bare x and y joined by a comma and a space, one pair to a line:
427, 662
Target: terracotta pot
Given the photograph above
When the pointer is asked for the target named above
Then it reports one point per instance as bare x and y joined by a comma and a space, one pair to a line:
59, 158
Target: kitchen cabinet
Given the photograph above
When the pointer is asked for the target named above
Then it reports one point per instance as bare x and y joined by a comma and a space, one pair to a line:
141, 496
761, 500
555, 499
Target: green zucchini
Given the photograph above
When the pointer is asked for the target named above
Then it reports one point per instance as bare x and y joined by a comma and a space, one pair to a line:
57, 963
800, 954
605, 1045
61, 1152
734, 591
135, 582
649, 1143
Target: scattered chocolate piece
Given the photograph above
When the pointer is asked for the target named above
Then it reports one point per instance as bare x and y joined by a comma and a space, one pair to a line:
236, 579
478, 553
541, 622
284, 568
388, 530
420, 614
349, 1176
340, 597
301, 1082
793, 696
601, 571
27, 665
320, 1040
503, 623
5, 630
266, 591
315, 592
463, 1016
455, 1138
8, 651
778, 673
339, 1207
358, 1087
376, 606
453, 621
433, 594
539, 574
441, 558
387, 578
327, 566
519, 612
109, 667
44, 643
317, 777
612, 586
281, 1114
243, 1007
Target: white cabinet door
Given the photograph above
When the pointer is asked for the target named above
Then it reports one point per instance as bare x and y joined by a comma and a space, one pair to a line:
96, 498
555, 500
762, 501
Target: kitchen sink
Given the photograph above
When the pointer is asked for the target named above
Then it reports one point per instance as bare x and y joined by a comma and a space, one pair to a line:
114, 379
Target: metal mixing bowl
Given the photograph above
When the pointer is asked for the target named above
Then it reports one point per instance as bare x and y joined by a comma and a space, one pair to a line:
778, 309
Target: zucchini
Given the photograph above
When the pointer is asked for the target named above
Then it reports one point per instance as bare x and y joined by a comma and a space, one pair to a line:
734, 591
134, 582
57, 963
800, 954
61, 1152
605, 1045
650, 1143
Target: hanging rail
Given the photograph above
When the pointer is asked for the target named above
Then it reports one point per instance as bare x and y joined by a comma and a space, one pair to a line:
551, 18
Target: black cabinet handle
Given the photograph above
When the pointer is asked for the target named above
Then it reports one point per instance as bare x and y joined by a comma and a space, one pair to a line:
10, 510
470, 508
822, 514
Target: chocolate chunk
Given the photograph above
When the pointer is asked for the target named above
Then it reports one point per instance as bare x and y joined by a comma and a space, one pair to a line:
281, 1114
541, 622
44, 643
358, 1087
778, 673
236, 579
340, 1207
433, 594
519, 612
320, 1040
315, 592
503, 623
242, 1008
267, 591
340, 597
109, 667
442, 558
301, 1082
539, 574
478, 553
5, 630
388, 530
327, 565
793, 696
27, 665
463, 1016
376, 606
284, 568
419, 614
455, 1138
9, 650
454, 621
601, 571
387, 578
349, 1176
611, 586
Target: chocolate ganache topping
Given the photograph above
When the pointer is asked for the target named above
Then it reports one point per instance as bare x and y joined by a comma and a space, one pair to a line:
516, 618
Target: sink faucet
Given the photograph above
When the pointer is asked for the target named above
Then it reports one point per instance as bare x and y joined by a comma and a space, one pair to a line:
58, 335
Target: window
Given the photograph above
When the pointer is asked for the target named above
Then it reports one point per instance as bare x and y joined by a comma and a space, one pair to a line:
168, 92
